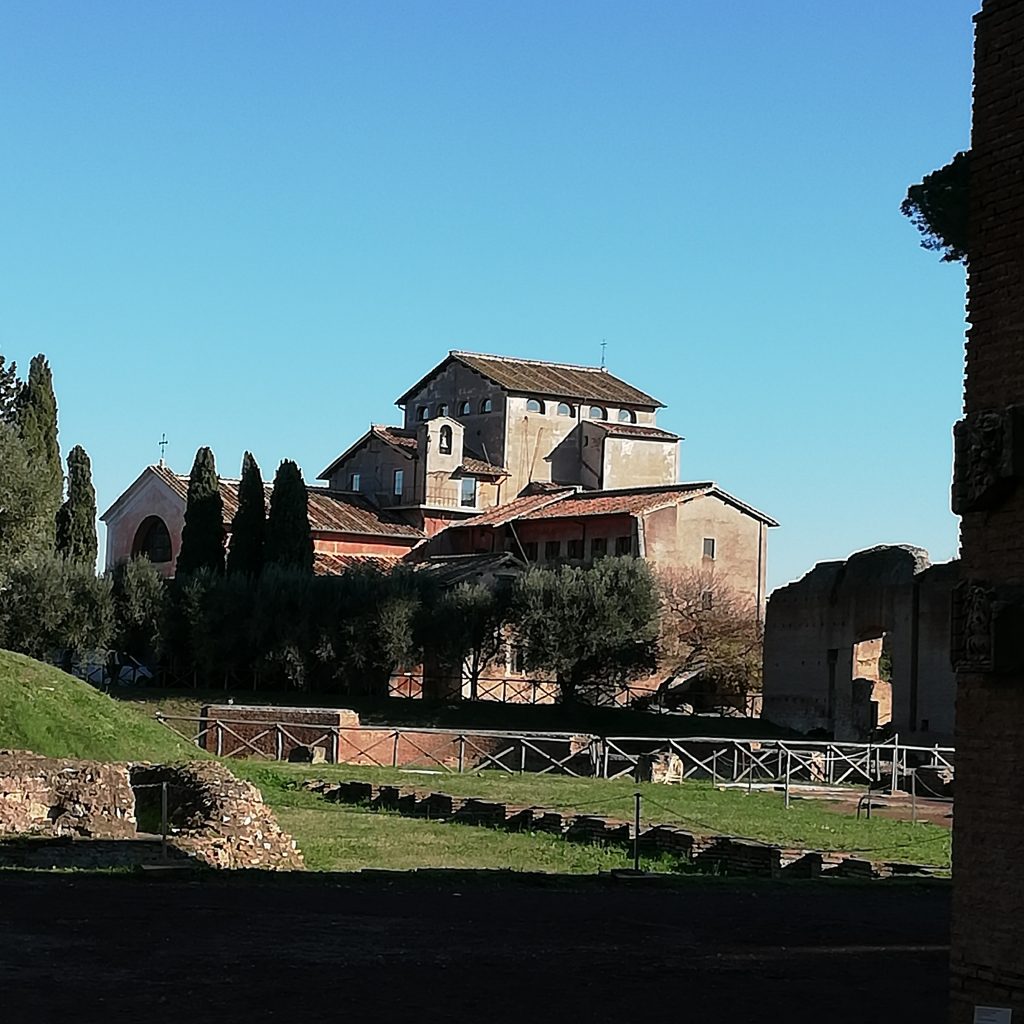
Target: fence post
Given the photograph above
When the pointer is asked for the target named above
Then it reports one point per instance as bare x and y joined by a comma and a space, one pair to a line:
604, 759
462, 753
913, 796
750, 771
394, 751
163, 821
278, 742
895, 761
636, 833
788, 767
522, 756
735, 762
220, 738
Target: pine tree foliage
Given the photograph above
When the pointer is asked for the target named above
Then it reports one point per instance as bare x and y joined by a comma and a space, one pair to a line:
36, 416
76, 519
289, 540
202, 537
249, 525
22, 499
938, 207
10, 386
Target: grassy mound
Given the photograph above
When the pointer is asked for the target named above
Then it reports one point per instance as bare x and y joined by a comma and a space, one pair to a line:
52, 713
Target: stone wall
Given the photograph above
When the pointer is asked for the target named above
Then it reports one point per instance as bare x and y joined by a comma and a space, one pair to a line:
988, 832
214, 817
55, 797
822, 633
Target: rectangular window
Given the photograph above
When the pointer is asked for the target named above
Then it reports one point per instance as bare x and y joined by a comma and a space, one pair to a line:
709, 547
574, 549
599, 547
530, 550
707, 600
354, 482
399, 481
552, 549
469, 492
623, 545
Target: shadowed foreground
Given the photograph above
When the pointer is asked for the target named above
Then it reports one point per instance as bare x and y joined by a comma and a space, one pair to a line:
460, 947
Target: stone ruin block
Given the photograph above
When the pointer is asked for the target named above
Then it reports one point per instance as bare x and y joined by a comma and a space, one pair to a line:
480, 812
732, 856
548, 821
520, 819
302, 754
435, 805
666, 839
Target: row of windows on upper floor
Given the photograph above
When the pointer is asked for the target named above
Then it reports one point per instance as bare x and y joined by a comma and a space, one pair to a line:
467, 487
594, 412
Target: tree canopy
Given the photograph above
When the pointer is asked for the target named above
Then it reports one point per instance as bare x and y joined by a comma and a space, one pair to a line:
289, 540
36, 417
76, 518
249, 525
938, 208
202, 537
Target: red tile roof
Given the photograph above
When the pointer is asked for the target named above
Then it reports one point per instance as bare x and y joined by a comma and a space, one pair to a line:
325, 564
632, 500
515, 509
329, 511
481, 467
537, 377
635, 430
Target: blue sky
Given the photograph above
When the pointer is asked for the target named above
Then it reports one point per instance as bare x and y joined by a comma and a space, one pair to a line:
254, 225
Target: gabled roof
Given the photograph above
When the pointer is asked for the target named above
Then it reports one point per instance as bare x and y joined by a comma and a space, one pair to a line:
329, 511
398, 437
325, 564
516, 509
635, 430
481, 467
537, 377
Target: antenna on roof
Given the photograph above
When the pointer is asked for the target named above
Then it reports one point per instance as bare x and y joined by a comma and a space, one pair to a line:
163, 448
604, 345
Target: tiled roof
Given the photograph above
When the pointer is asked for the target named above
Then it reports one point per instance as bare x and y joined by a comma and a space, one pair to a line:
634, 501
636, 430
450, 570
480, 467
399, 437
537, 377
516, 509
325, 564
329, 511
627, 500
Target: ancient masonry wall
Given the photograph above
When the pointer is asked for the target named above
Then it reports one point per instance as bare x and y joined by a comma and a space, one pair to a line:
988, 901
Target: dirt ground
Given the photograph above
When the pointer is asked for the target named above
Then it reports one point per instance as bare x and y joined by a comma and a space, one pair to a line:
453, 948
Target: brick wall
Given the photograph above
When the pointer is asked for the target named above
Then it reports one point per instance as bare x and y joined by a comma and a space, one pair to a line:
988, 903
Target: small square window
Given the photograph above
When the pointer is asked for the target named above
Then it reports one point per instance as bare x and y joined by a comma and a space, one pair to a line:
552, 549
599, 547
623, 545
574, 549
709, 547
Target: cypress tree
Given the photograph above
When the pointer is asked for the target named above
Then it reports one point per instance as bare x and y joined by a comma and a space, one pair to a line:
202, 537
76, 518
289, 539
248, 528
36, 417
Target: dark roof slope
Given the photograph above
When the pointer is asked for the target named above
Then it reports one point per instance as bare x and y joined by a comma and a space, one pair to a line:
535, 376
637, 430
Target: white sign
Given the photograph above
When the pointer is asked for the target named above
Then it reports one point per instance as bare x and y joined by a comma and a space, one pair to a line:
993, 1015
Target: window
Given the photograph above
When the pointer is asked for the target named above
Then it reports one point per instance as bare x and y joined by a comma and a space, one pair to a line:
709, 547
530, 550
574, 549
444, 444
552, 549
707, 600
599, 547
423, 414
399, 481
153, 540
534, 405
469, 492
463, 408
486, 405
353, 482
442, 409
623, 545
597, 413
627, 416
564, 409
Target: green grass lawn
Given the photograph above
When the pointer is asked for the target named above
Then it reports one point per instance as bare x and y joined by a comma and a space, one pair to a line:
47, 711
695, 805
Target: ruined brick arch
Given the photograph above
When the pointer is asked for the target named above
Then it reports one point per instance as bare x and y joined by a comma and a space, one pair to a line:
153, 540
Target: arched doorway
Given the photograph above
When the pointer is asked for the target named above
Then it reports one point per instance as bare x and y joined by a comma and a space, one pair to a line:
152, 540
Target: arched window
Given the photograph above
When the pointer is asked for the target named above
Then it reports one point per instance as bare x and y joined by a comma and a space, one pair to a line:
627, 416
534, 405
486, 405
444, 445
564, 409
152, 540
442, 409
463, 408
423, 414
597, 413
